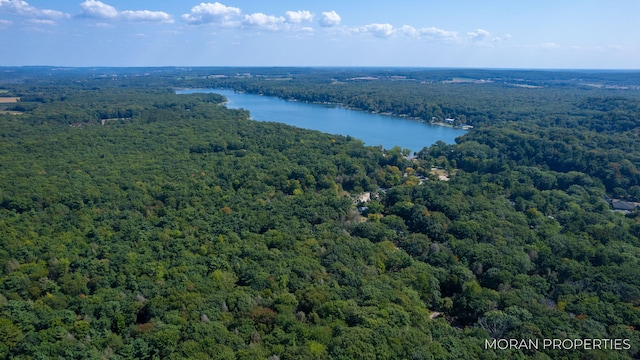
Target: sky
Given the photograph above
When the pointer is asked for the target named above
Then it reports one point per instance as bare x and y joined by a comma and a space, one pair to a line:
542, 34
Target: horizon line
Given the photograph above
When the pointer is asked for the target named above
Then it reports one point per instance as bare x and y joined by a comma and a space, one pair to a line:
321, 66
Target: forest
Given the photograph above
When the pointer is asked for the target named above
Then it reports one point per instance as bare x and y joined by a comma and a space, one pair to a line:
140, 224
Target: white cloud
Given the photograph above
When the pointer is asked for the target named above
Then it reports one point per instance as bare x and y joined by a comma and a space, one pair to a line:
484, 37
23, 8
433, 32
504, 38
330, 19
98, 10
296, 17
49, 14
5, 23
387, 30
479, 35
220, 14
377, 30
409, 31
269, 22
290, 21
212, 13
146, 15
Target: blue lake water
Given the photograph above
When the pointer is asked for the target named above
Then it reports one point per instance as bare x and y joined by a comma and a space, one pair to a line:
373, 129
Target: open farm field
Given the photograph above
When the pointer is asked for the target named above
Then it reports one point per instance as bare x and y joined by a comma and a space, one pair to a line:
8, 100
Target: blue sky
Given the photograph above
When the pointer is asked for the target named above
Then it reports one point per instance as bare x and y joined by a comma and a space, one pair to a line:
454, 33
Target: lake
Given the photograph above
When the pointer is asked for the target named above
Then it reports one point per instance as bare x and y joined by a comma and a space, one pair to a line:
373, 129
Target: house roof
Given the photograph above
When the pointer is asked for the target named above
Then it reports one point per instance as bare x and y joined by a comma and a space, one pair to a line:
623, 205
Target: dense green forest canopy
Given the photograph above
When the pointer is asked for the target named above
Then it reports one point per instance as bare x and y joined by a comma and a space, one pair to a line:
137, 223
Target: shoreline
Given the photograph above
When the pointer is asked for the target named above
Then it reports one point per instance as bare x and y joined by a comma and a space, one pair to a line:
439, 123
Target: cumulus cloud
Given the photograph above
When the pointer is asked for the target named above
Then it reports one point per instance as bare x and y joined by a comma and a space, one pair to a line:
228, 16
503, 38
330, 19
275, 23
484, 37
388, 30
409, 31
479, 35
269, 22
433, 32
430, 33
296, 17
377, 30
146, 15
214, 13
23, 8
98, 10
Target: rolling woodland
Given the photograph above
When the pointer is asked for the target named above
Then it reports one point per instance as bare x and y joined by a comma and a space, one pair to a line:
140, 224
